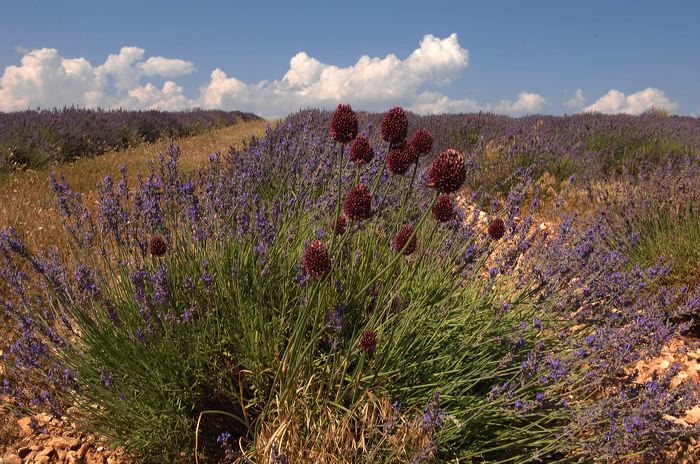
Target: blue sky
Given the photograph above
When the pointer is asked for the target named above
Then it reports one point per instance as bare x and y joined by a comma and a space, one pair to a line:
513, 57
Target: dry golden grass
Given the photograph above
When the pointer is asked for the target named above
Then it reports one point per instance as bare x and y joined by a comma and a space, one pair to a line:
28, 204
373, 431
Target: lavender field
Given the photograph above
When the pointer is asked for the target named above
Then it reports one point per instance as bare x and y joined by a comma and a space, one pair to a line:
371, 287
31, 139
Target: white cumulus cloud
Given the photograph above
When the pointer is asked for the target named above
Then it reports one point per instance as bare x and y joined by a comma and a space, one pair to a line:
371, 83
577, 101
170, 97
436, 103
46, 79
166, 67
635, 103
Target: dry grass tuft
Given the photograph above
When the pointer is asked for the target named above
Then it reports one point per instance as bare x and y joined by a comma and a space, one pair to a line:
373, 431
27, 202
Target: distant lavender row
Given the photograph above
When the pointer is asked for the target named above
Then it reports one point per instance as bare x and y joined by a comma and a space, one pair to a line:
585, 145
32, 138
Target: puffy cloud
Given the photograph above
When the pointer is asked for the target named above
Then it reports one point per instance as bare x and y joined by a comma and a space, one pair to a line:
617, 102
371, 83
170, 97
166, 67
123, 67
577, 101
46, 79
527, 103
436, 103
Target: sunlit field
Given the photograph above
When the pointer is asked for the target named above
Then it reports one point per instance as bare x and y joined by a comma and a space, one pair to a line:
359, 287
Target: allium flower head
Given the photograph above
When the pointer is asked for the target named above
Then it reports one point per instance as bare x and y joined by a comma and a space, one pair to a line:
357, 205
157, 246
422, 142
394, 126
317, 263
368, 341
343, 125
447, 172
400, 158
401, 240
443, 209
338, 227
497, 229
361, 150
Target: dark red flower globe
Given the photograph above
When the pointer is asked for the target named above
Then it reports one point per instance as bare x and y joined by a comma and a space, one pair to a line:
361, 150
497, 229
400, 158
157, 246
447, 172
422, 142
394, 125
317, 263
357, 204
443, 209
343, 125
338, 227
401, 242
368, 341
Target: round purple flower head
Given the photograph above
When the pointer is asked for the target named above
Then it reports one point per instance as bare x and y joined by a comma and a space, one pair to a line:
357, 205
317, 263
394, 126
401, 242
343, 125
447, 172
400, 158
443, 209
368, 341
497, 229
361, 150
422, 142
338, 227
157, 246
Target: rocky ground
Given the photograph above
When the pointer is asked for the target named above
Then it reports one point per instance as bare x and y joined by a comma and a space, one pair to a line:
45, 440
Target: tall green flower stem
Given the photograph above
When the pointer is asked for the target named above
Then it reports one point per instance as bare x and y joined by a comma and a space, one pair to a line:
407, 196
378, 210
340, 193
399, 253
381, 171
388, 269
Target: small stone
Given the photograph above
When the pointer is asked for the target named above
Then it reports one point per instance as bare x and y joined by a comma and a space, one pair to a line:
65, 443
83, 450
11, 459
44, 418
49, 452
24, 451
100, 449
95, 458
24, 427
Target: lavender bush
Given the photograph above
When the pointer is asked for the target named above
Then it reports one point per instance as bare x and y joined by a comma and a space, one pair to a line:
292, 302
32, 138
